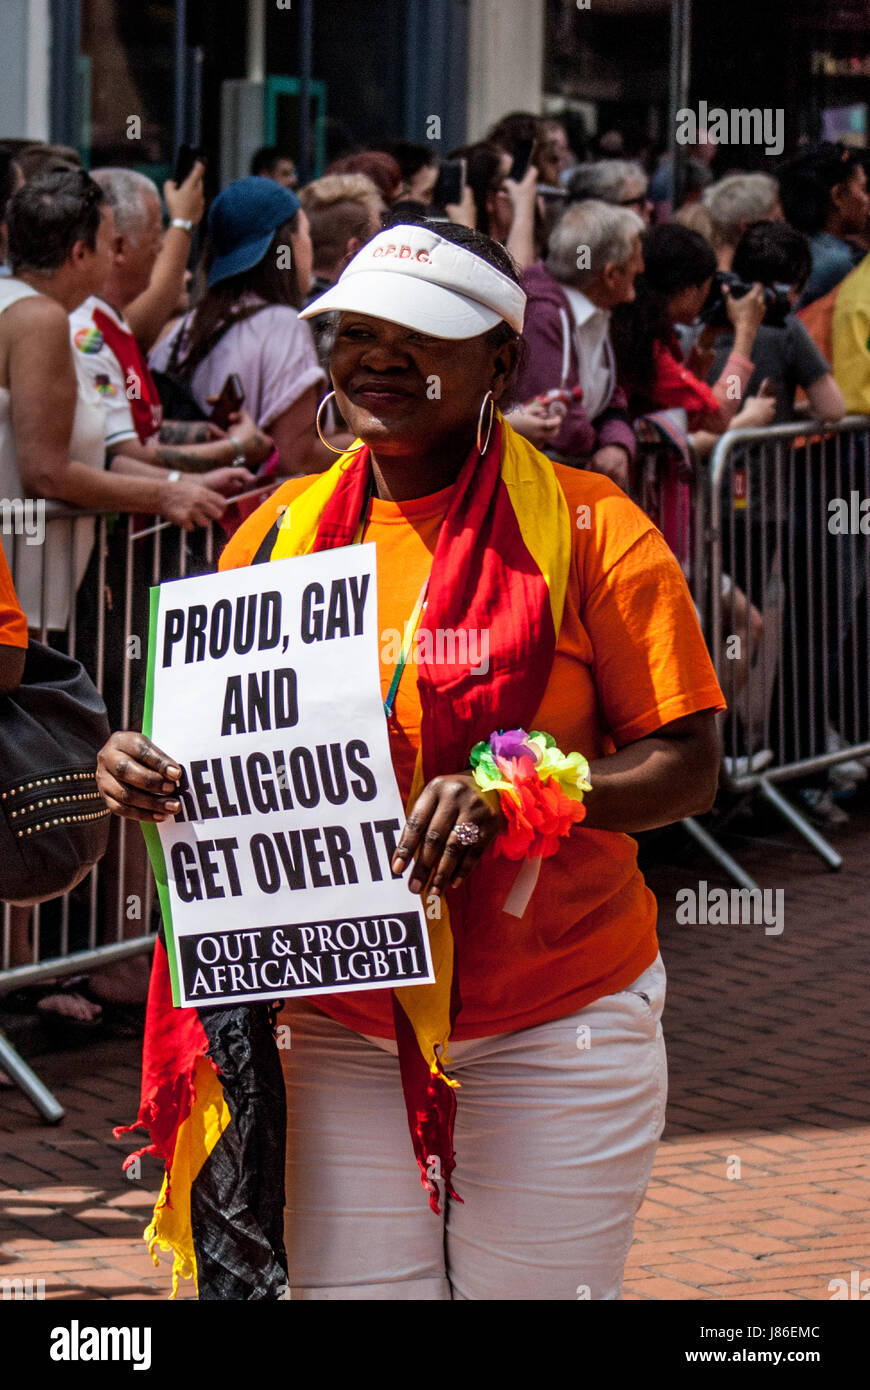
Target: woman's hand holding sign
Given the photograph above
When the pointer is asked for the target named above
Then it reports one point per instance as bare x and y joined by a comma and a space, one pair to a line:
449, 826
136, 779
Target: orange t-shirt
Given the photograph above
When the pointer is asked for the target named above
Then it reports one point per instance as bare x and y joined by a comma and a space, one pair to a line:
818, 319
629, 658
13, 623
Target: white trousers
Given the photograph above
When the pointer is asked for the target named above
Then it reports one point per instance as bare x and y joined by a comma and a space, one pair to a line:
556, 1131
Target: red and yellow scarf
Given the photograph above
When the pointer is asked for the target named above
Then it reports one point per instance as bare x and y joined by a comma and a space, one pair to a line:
501, 564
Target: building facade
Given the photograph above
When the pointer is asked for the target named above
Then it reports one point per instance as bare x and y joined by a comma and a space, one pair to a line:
126, 83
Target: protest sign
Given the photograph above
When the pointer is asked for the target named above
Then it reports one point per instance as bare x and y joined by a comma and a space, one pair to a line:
275, 879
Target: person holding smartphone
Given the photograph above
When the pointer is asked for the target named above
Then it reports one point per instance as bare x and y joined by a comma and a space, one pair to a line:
505, 207
184, 197
107, 350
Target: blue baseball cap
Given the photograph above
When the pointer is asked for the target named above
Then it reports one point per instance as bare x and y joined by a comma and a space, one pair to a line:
242, 221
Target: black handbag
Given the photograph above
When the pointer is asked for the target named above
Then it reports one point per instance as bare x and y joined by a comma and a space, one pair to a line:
54, 825
176, 398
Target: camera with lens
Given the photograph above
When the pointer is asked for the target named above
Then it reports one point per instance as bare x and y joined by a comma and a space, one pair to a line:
714, 313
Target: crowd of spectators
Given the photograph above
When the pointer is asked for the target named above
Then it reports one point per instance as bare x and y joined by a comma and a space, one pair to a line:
114, 349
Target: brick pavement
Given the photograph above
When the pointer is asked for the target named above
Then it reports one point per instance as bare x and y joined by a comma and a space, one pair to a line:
68, 1215
761, 1187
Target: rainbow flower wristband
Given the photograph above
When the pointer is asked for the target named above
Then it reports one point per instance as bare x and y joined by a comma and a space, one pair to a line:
540, 789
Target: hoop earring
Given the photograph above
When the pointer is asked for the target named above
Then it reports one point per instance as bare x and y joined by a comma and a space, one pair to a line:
317, 425
488, 399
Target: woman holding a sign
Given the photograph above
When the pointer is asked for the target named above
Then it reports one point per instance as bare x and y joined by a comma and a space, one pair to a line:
548, 693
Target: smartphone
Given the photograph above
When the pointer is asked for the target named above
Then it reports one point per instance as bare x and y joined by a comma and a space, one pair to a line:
522, 155
184, 161
451, 181
231, 399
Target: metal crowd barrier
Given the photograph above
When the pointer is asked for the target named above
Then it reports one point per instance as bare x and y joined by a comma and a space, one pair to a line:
112, 914
775, 516
669, 494
768, 534
782, 527
675, 499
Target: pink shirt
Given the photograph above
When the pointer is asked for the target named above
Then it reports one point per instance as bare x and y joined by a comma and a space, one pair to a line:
273, 354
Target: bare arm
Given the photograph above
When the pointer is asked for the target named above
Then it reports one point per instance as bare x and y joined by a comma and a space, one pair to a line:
201, 458
227, 481
43, 385
188, 432
187, 458
148, 313
464, 212
652, 782
521, 238
755, 414
729, 388
656, 780
826, 399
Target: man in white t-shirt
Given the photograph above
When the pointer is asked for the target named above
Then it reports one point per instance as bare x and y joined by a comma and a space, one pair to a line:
106, 346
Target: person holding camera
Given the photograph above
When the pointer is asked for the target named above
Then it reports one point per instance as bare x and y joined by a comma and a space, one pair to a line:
777, 256
785, 357
676, 284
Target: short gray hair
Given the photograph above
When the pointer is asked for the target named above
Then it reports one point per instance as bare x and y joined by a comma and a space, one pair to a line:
605, 179
605, 232
127, 194
739, 199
